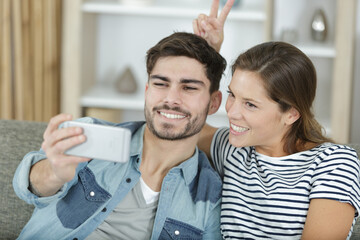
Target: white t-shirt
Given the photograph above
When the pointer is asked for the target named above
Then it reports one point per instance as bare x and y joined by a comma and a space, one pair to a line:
268, 197
150, 195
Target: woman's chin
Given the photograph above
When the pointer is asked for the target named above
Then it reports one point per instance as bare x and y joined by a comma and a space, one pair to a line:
236, 143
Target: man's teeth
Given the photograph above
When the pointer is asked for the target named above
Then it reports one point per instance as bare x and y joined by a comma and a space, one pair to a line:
172, 116
238, 129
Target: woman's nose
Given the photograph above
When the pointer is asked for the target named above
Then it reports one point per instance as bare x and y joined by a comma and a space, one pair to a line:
234, 109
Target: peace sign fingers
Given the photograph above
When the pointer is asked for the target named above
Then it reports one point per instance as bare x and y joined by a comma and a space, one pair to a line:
214, 9
225, 11
211, 27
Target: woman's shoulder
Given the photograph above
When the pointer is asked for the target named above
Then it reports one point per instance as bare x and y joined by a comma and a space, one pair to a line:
337, 154
332, 148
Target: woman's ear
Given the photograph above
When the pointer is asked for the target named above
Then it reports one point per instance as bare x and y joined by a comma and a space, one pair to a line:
215, 102
292, 116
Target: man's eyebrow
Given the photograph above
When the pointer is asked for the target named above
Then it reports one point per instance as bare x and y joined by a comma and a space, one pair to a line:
155, 76
185, 80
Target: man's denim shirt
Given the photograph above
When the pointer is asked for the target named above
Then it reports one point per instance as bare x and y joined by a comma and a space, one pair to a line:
188, 208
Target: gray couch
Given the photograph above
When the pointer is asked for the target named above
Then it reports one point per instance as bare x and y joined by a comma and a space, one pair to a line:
16, 139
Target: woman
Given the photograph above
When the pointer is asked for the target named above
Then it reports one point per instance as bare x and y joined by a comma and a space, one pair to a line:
282, 178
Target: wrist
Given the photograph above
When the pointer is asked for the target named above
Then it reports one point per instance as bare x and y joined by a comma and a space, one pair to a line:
43, 181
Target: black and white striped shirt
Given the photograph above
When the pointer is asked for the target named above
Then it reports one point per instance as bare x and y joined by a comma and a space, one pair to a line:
268, 197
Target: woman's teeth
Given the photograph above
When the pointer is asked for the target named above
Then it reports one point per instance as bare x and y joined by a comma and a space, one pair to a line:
238, 129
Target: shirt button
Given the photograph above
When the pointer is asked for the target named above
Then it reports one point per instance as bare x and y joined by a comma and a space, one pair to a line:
177, 232
128, 180
104, 209
92, 193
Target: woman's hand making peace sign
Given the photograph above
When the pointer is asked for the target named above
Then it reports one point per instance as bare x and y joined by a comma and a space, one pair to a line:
211, 27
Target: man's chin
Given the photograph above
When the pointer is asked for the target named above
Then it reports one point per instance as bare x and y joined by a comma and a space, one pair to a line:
174, 131
170, 136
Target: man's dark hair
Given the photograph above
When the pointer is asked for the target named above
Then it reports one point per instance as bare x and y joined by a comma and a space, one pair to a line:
192, 46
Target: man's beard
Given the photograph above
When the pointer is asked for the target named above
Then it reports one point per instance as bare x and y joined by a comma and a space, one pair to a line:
193, 127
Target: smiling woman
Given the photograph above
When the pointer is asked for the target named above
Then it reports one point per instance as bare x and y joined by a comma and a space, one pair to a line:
285, 78
254, 118
282, 177
278, 168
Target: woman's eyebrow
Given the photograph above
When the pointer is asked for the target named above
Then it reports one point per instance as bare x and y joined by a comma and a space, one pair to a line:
246, 98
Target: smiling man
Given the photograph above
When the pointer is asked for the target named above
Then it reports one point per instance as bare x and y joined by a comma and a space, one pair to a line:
180, 81
167, 189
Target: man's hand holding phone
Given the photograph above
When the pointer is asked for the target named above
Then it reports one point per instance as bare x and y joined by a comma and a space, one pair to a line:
57, 141
49, 175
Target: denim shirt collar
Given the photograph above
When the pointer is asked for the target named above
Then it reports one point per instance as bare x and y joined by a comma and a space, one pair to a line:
137, 141
189, 167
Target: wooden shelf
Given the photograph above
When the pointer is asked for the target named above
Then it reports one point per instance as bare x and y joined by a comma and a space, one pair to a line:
318, 50
166, 11
105, 96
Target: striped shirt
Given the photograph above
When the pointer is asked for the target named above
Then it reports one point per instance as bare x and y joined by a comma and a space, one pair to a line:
268, 197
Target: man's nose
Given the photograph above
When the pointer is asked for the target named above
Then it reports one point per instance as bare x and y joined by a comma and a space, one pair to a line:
173, 96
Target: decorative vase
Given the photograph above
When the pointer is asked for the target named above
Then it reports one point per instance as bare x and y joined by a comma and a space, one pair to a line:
319, 26
126, 83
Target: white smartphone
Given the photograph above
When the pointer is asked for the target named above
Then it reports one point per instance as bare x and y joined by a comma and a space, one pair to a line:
102, 142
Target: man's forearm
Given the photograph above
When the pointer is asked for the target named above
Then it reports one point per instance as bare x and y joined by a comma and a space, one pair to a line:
43, 181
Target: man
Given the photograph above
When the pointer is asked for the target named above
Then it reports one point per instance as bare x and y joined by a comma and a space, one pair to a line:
167, 188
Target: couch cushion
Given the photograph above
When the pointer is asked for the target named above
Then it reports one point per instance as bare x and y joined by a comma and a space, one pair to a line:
16, 139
